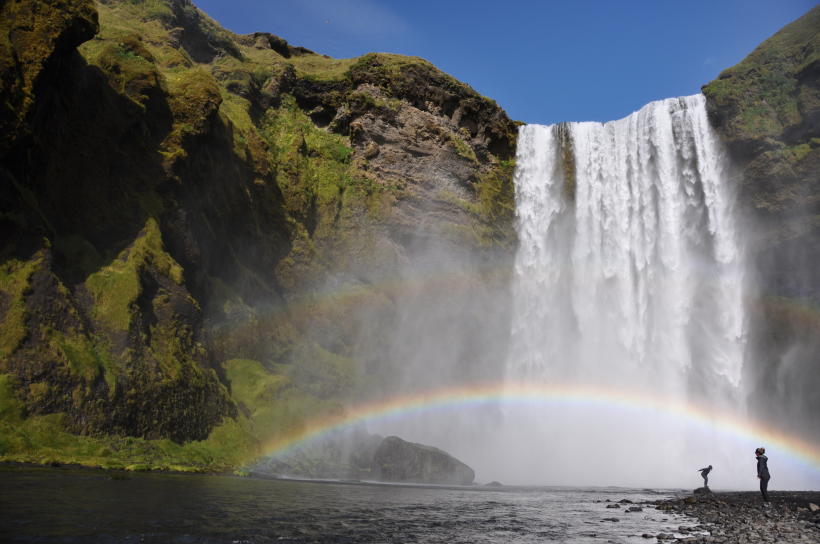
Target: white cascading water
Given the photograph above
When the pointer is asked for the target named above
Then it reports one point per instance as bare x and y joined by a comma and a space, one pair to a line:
629, 277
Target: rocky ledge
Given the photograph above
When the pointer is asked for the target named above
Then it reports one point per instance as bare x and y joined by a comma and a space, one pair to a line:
740, 517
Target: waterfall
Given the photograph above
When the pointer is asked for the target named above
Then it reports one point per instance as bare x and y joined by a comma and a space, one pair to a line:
629, 269
628, 278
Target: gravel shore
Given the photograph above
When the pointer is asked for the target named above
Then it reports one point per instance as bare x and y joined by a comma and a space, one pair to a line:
740, 517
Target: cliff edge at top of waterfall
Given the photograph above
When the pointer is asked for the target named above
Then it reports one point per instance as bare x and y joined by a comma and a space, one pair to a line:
770, 101
767, 110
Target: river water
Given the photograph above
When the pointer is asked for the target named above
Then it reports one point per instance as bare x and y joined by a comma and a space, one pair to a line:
70, 505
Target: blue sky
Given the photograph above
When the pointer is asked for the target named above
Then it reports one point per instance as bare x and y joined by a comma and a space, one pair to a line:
543, 62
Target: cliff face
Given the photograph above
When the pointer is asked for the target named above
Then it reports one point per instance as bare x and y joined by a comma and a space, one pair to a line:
194, 224
767, 110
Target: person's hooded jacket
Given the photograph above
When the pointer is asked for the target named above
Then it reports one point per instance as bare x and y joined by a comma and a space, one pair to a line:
762, 467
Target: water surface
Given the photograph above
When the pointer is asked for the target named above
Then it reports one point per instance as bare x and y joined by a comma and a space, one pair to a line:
69, 505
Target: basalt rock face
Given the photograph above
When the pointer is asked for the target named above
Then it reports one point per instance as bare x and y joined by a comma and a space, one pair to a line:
400, 461
196, 226
767, 111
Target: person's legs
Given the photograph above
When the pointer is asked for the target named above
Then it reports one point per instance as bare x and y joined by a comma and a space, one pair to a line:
764, 489
705, 480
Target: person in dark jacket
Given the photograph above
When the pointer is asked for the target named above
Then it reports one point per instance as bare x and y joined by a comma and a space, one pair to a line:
705, 473
763, 475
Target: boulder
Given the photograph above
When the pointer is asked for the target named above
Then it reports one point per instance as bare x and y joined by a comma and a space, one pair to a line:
494, 484
398, 461
814, 507
703, 491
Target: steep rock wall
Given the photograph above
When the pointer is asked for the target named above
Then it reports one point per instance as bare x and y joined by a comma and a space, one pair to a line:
175, 196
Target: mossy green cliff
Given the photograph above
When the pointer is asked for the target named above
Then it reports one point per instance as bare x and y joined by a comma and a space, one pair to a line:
767, 111
207, 239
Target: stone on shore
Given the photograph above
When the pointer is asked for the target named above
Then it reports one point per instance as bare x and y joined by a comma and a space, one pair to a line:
494, 484
739, 517
398, 461
813, 507
703, 491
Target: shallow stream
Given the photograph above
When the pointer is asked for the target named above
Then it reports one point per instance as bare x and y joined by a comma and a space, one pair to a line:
71, 505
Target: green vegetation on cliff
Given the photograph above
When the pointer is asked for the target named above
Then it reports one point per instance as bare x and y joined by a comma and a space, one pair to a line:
767, 111
206, 237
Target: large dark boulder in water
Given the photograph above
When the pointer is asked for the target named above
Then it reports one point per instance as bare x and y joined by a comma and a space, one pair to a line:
400, 461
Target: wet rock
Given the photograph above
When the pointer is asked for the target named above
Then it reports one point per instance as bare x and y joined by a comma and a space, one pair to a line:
613, 505
647, 535
739, 517
398, 461
614, 520
703, 491
635, 509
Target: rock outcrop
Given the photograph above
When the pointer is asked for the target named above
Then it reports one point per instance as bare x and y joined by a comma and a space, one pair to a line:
398, 461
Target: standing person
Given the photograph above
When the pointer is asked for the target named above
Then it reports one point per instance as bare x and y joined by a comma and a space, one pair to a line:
705, 473
763, 475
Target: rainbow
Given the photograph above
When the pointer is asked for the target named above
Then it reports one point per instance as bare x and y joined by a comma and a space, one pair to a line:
563, 395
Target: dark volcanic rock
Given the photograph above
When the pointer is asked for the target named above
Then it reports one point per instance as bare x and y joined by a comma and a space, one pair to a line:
741, 517
400, 461
703, 491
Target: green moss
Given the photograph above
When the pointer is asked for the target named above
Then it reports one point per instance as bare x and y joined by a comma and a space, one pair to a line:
445, 195
15, 277
36, 439
495, 197
40, 391
313, 168
462, 148
763, 88
84, 357
12, 410
276, 408
174, 348
116, 287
